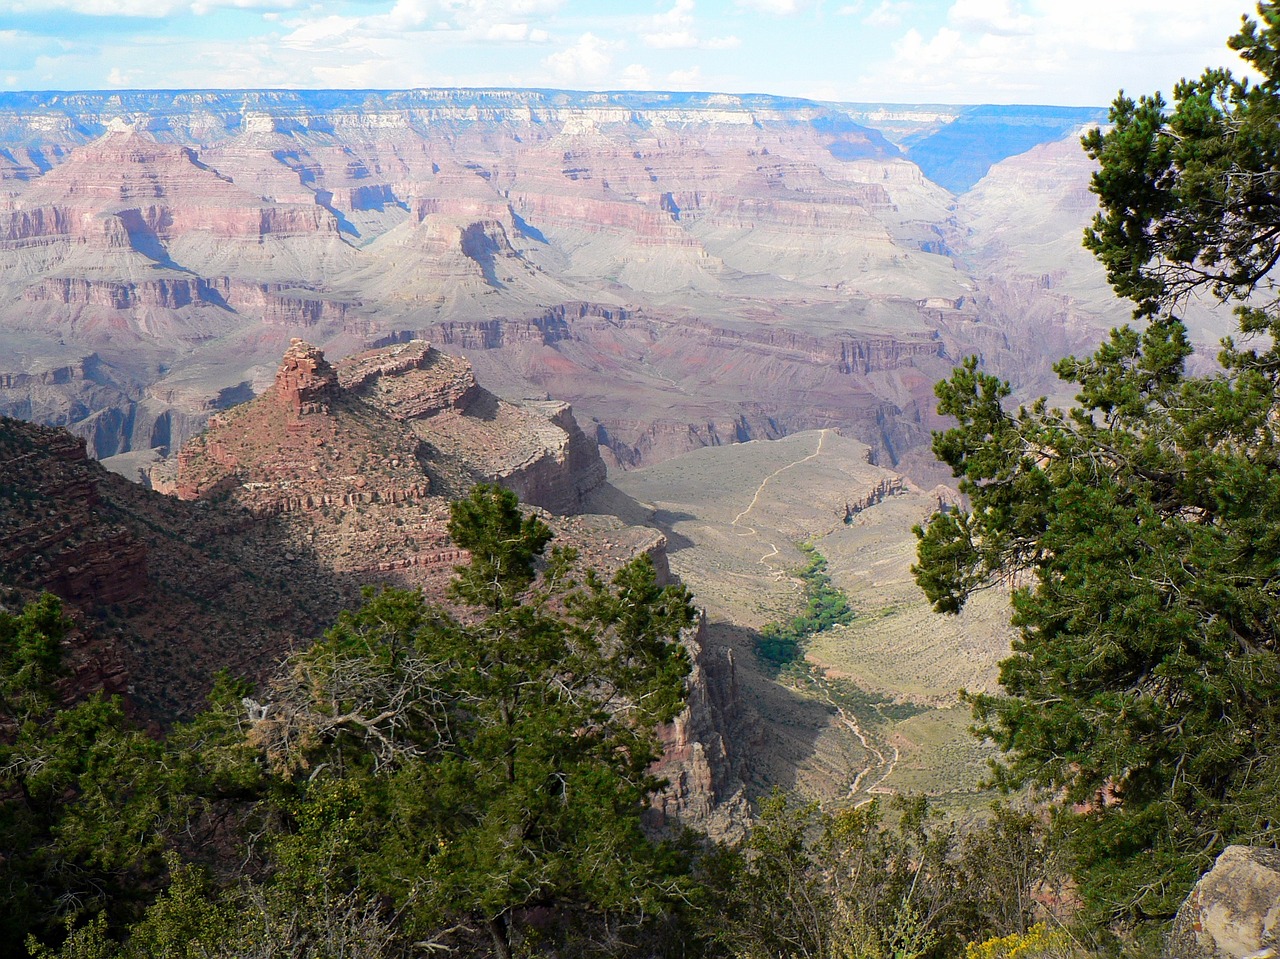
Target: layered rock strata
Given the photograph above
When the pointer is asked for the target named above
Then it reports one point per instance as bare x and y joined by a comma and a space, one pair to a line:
52, 531
163, 593
379, 429
353, 460
789, 268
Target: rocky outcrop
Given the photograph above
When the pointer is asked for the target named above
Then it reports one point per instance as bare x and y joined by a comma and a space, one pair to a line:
305, 382
336, 499
704, 782
272, 303
329, 451
551, 326
163, 593
562, 475
409, 380
51, 533
386, 426
1234, 910
279, 305
889, 486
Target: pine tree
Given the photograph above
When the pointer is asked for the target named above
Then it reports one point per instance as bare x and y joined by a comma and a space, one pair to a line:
1140, 526
476, 770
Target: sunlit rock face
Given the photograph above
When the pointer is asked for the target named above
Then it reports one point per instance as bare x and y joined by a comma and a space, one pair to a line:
1233, 911
685, 269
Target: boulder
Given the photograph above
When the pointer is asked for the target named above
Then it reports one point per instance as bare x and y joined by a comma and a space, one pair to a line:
1234, 910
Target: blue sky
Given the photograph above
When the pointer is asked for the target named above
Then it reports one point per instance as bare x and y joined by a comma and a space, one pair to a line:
1075, 52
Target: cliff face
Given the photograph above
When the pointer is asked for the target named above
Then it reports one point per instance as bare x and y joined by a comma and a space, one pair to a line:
385, 426
163, 593
53, 535
705, 774
285, 507
685, 269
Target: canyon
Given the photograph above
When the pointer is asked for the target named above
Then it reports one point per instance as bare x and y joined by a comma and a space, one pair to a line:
337, 478
314, 317
684, 269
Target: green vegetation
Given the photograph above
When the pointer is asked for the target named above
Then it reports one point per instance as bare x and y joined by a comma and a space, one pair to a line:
781, 644
1144, 688
418, 778
862, 883
846, 694
464, 781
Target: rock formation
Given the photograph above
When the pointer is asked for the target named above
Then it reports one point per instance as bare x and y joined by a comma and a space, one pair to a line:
305, 382
352, 465
1234, 910
386, 426
163, 592
685, 269
705, 774
286, 508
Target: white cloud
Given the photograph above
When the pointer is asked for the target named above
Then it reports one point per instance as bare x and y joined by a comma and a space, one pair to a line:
635, 76
671, 40
779, 8
587, 61
514, 33
690, 79
680, 15
145, 8
1047, 51
122, 78
476, 11
675, 29
319, 33
990, 16
461, 21
889, 13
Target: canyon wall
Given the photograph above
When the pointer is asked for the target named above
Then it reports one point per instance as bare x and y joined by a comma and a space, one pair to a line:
684, 269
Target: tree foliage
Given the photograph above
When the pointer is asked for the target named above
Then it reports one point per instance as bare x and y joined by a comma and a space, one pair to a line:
503, 543
81, 792
472, 770
421, 778
874, 883
1138, 528
781, 644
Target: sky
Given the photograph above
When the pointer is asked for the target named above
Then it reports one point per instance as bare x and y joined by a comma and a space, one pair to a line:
1062, 52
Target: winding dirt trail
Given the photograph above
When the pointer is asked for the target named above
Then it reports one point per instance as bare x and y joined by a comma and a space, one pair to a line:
751, 530
881, 763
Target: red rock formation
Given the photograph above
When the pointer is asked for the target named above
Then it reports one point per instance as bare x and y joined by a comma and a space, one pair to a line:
50, 533
126, 190
305, 381
409, 381
169, 294
356, 435
163, 593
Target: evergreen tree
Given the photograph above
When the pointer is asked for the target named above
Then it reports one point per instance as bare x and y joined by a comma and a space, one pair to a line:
1139, 528
420, 778
83, 796
479, 770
